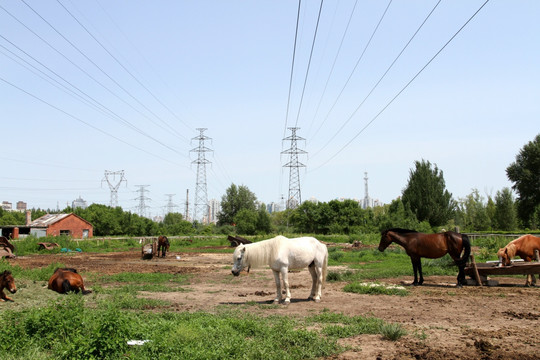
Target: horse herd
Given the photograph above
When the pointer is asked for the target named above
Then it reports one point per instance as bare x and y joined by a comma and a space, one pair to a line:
282, 254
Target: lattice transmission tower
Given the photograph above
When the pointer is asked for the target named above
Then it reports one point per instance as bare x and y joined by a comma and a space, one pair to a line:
170, 204
201, 195
141, 208
295, 197
114, 184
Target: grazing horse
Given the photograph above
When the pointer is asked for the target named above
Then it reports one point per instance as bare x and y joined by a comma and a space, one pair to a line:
7, 281
524, 247
282, 254
65, 280
418, 245
163, 244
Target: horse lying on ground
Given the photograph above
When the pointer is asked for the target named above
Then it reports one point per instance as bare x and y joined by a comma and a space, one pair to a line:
7, 281
418, 245
65, 280
524, 247
282, 254
163, 244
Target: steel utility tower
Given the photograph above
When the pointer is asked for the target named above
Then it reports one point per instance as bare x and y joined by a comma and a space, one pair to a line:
141, 208
366, 196
110, 178
170, 204
294, 199
201, 196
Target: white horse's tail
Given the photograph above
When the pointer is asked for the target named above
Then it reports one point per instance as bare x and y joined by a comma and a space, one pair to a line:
325, 268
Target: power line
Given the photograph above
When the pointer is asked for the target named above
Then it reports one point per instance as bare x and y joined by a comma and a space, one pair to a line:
309, 63
355, 66
380, 79
82, 121
127, 71
292, 67
403, 89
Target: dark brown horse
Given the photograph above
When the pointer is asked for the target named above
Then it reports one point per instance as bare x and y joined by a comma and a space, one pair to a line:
65, 280
7, 281
163, 245
418, 245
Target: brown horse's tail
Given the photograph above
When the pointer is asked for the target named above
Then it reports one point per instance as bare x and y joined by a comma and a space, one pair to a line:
466, 250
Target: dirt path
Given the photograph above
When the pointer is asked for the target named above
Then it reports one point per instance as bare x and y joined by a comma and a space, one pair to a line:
444, 322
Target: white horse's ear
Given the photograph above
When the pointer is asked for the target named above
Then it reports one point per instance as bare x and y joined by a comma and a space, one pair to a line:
243, 250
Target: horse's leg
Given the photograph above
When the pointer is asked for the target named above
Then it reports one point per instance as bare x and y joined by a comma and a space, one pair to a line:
313, 273
413, 261
66, 286
419, 266
285, 276
278, 287
461, 276
319, 271
533, 282
529, 280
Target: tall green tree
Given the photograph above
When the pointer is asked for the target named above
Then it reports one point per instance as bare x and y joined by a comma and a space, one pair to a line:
505, 210
525, 174
235, 199
474, 212
426, 195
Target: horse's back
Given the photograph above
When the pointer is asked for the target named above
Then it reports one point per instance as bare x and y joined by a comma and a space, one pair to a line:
301, 252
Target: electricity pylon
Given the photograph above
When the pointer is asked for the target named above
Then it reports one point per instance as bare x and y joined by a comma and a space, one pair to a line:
295, 197
141, 208
201, 195
110, 178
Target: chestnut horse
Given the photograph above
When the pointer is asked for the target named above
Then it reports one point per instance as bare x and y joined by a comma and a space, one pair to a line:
65, 280
524, 247
7, 281
163, 244
418, 245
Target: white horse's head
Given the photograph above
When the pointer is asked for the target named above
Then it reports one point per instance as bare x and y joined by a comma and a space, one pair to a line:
239, 260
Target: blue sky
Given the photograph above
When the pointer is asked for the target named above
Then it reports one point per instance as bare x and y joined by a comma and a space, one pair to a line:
141, 76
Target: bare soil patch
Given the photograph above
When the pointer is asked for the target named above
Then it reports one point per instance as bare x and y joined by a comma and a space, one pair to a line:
443, 322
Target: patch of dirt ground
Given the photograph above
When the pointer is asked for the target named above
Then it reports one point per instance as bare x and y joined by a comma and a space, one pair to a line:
443, 321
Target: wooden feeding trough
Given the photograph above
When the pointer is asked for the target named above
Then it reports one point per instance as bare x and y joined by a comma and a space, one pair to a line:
237, 240
480, 271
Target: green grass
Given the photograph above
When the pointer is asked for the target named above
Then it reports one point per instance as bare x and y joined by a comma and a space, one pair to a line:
69, 329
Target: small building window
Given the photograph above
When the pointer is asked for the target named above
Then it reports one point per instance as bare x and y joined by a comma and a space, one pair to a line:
65, 232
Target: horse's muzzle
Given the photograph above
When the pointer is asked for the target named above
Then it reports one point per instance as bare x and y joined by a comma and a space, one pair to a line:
13, 291
235, 273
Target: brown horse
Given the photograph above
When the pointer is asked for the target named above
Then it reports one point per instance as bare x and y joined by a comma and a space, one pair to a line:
7, 281
65, 280
418, 245
163, 244
524, 247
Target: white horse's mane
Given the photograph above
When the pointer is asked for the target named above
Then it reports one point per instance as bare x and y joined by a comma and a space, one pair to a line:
263, 252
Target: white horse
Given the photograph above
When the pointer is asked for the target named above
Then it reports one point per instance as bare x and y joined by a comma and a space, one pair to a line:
282, 254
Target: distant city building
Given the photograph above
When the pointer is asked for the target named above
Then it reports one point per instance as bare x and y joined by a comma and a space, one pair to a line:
214, 207
21, 206
6, 205
79, 203
273, 207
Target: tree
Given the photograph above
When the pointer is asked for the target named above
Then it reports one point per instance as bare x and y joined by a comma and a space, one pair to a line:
525, 174
246, 221
475, 213
505, 217
235, 199
426, 196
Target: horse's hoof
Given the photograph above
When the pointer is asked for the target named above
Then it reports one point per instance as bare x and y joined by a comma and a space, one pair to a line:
317, 300
287, 301
276, 301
